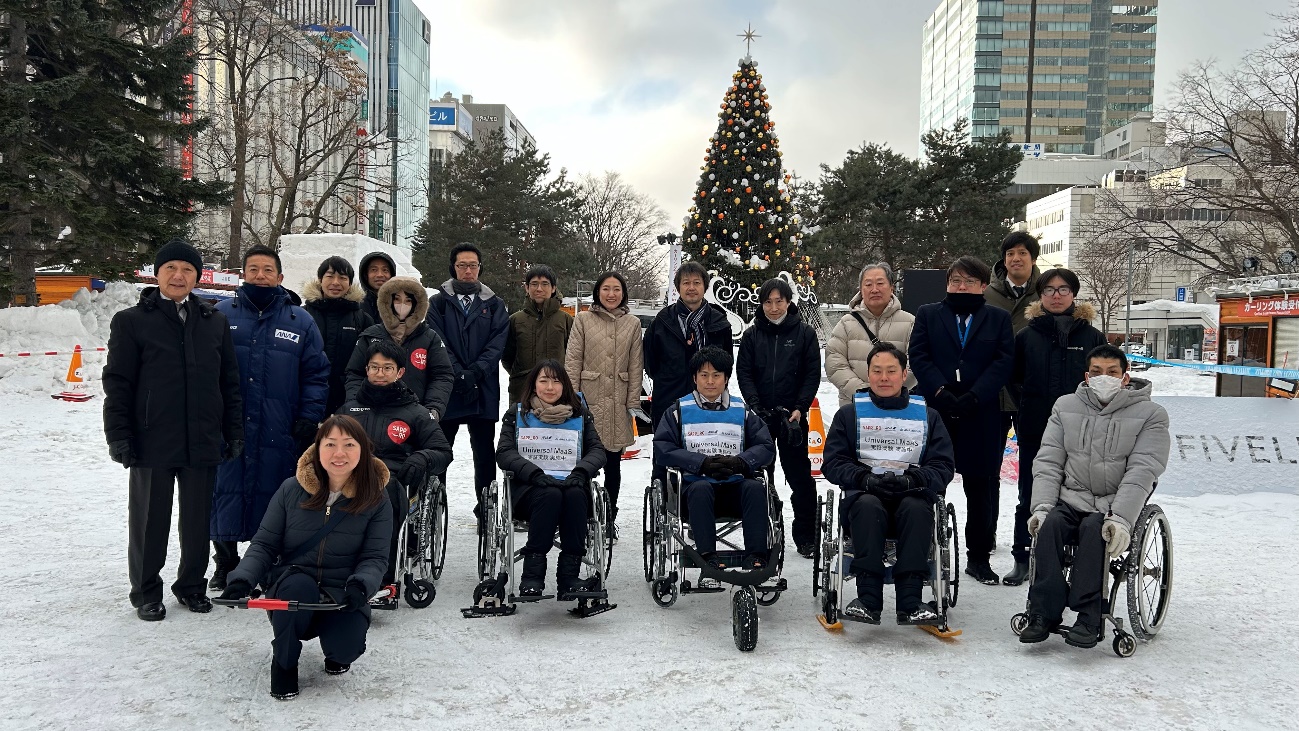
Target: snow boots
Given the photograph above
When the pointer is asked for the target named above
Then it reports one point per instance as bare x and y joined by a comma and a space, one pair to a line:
1037, 630
336, 668
857, 612
284, 682
219, 573
1085, 632
566, 581
1018, 575
532, 580
983, 573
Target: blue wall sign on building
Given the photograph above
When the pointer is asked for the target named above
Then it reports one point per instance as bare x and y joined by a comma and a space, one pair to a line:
442, 116
1181, 294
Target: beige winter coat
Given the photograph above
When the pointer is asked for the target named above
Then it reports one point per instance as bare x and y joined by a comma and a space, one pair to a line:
604, 359
845, 353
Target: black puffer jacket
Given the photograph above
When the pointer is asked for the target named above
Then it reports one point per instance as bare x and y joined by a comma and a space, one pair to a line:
667, 356
356, 549
172, 388
428, 367
937, 463
779, 366
1050, 360
369, 304
341, 322
399, 426
509, 459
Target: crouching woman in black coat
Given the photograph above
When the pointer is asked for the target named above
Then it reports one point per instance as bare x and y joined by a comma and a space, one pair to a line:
548, 440
337, 473
892, 457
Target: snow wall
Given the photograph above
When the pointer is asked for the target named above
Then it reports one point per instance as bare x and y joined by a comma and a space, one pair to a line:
302, 254
1231, 446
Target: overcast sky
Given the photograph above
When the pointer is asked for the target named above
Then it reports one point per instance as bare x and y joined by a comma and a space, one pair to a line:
633, 85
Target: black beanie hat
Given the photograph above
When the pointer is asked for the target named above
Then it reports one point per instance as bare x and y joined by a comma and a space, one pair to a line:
1020, 238
177, 249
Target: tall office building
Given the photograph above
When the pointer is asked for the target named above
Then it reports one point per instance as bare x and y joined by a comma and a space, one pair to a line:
489, 118
1061, 75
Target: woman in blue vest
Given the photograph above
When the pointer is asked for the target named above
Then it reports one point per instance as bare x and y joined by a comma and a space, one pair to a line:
548, 440
892, 457
715, 440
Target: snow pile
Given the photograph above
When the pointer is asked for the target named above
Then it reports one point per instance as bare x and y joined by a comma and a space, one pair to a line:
82, 320
1170, 381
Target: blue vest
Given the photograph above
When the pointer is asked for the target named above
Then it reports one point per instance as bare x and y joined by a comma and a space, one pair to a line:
555, 448
712, 433
890, 439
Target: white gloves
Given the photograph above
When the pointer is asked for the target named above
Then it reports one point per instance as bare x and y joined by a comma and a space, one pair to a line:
1035, 522
1116, 537
638, 414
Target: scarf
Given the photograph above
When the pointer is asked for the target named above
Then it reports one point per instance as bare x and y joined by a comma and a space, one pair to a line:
964, 303
615, 313
694, 323
261, 297
553, 414
463, 288
379, 396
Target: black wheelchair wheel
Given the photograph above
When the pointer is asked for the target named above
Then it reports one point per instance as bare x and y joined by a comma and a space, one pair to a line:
648, 525
1018, 623
954, 539
440, 524
830, 606
767, 598
744, 619
1125, 645
664, 592
420, 593
1150, 572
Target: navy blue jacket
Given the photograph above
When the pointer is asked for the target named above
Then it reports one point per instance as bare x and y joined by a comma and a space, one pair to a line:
985, 363
475, 341
284, 376
842, 467
669, 449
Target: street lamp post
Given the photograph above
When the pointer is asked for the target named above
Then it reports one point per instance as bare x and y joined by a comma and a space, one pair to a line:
674, 262
1127, 319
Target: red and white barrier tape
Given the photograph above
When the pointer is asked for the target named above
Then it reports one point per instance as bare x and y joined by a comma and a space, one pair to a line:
27, 354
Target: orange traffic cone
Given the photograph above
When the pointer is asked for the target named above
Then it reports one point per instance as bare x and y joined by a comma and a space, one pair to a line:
76, 390
815, 437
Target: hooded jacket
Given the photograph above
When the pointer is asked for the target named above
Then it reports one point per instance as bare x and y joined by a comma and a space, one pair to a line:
341, 322
1050, 360
1000, 295
475, 341
399, 426
667, 356
535, 334
284, 377
1102, 458
779, 366
172, 388
355, 550
369, 301
848, 346
604, 360
525, 471
428, 368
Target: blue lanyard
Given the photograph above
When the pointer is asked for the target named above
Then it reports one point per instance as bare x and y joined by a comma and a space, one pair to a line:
963, 328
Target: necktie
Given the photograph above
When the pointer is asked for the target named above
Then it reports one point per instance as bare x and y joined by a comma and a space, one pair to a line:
962, 327
1019, 292
465, 302
181, 311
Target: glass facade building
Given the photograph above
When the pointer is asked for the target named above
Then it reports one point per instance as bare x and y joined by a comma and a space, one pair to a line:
1058, 74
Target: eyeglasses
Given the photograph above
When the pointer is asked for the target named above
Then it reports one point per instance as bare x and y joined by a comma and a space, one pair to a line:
963, 282
385, 369
467, 267
1052, 291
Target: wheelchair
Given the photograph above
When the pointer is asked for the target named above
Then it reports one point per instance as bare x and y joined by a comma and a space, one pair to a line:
1146, 568
669, 553
495, 595
833, 554
421, 549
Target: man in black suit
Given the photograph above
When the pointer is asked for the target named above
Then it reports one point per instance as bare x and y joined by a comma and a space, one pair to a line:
962, 353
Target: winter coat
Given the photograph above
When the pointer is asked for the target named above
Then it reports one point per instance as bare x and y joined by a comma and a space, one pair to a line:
1099, 459
669, 448
1000, 295
535, 334
525, 472
604, 360
1049, 363
369, 304
842, 468
475, 341
985, 363
846, 351
399, 426
356, 549
172, 388
667, 356
428, 367
779, 366
284, 375
341, 321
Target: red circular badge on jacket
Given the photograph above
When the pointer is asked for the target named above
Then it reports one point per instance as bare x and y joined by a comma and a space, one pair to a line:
419, 358
399, 431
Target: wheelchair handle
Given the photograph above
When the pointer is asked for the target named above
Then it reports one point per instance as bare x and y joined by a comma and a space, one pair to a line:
277, 605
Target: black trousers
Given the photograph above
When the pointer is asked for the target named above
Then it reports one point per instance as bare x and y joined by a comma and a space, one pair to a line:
1049, 592
791, 447
699, 495
870, 520
226, 553
981, 495
149, 528
550, 507
1028, 448
613, 480
342, 634
400, 507
482, 440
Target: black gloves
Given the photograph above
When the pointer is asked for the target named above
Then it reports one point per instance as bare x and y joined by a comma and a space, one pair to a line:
945, 401
577, 479
897, 483
967, 404
715, 468
411, 475
736, 465
120, 452
544, 480
237, 589
870, 482
304, 431
233, 450
354, 596
467, 381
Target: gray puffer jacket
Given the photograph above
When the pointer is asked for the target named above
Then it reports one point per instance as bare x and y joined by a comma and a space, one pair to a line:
1102, 458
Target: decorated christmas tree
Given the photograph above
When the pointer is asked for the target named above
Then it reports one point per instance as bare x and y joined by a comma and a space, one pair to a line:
743, 223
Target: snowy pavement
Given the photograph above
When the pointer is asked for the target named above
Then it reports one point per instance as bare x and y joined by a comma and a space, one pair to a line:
75, 656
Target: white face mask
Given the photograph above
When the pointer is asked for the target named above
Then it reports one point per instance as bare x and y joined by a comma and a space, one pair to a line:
1105, 387
402, 309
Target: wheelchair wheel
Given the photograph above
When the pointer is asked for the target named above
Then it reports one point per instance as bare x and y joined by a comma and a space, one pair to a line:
1018, 623
767, 598
648, 526
438, 524
492, 541
954, 549
744, 619
665, 592
1150, 572
830, 606
420, 593
1125, 645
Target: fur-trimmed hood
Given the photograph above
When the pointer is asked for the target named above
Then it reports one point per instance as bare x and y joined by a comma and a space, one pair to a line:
1081, 311
312, 292
413, 289
307, 475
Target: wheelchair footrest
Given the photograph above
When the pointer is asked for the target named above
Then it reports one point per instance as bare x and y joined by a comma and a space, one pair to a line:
944, 632
832, 627
531, 599
585, 609
584, 595
688, 588
503, 610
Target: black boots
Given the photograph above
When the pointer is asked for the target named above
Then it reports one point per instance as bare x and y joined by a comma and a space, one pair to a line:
532, 580
336, 668
1085, 632
223, 569
284, 682
566, 581
1037, 630
983, 573
1018, 575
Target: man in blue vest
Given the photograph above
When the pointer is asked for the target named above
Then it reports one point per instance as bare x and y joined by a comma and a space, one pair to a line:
711, 437
892, 457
